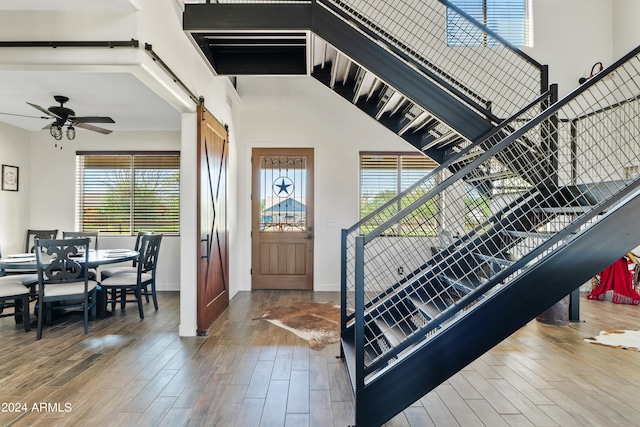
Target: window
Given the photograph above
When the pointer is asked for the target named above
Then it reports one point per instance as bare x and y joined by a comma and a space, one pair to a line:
125, 192
509, 18
383, 175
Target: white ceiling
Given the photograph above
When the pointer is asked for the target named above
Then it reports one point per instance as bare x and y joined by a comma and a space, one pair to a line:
121, 96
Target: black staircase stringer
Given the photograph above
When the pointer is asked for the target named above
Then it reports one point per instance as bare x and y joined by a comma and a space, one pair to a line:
525, 297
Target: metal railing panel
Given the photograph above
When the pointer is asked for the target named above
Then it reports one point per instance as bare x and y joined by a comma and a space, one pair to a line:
575, 162
496, 75
433, 225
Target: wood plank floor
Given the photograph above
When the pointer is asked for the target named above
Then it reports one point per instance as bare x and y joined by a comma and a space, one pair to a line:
248, 372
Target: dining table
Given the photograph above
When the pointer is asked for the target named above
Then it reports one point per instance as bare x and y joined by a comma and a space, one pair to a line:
24, 262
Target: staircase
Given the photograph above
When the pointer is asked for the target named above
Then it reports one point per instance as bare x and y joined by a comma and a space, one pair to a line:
540, 194
542, 239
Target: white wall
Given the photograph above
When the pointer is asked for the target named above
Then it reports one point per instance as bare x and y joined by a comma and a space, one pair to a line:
301, 112
626, 26
570, 36
14, 206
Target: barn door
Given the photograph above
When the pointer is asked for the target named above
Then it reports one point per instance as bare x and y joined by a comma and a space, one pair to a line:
282, 219
213, 255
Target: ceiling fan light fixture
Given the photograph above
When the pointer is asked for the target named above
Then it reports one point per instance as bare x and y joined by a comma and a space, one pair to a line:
71, 132
56, 131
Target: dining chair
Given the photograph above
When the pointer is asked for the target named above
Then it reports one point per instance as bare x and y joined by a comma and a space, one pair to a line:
133, 268
93, 244
30, 280
92, 235
118, 286
63, 280
38, 234
14, 294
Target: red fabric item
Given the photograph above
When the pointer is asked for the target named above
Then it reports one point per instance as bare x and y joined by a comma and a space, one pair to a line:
616, 285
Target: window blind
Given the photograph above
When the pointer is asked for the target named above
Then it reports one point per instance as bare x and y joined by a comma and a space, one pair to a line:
123, 193
382, 176
509, 18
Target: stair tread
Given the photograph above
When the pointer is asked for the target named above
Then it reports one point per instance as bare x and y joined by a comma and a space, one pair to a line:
565, 209
530, 234
498, 260
464, 284
350, 358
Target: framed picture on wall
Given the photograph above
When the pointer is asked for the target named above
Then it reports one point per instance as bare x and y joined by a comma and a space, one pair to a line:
10, 178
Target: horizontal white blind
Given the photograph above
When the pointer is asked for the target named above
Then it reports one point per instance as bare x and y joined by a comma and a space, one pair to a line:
123, 193
509, 18
382, 176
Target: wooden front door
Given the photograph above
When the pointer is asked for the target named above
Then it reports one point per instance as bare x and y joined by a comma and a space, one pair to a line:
282, 219
213, 255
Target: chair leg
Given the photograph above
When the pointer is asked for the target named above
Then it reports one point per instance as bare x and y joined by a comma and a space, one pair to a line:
86, 313
26, 316
153, 295
94, 304
139, 299
40, 319
22, 312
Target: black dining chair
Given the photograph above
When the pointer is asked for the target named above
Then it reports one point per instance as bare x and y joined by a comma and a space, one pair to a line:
63, 282
118, 286
93, 244
133, 268
92, 235
28, 279
13, 294
32, 235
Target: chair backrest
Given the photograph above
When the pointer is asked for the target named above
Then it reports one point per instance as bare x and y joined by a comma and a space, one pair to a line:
149, 251
58, 260
137, 245
93, 235
29, 245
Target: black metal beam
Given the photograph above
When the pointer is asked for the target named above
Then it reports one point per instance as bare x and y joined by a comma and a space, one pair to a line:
206, 17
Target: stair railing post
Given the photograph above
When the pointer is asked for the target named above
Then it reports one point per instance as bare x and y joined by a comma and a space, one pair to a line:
359, 314
343, 286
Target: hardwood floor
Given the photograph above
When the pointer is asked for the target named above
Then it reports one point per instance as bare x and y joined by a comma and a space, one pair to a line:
248, 372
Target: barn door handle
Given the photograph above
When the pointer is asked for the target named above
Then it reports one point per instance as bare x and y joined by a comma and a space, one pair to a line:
206, 240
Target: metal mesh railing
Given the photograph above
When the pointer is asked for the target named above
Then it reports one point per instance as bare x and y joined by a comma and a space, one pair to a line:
569, 166
435, 224
496, 75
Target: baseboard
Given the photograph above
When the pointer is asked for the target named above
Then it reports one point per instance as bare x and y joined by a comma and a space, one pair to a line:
326, 287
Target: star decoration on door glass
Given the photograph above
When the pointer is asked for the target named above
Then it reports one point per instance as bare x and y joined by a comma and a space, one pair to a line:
283, 186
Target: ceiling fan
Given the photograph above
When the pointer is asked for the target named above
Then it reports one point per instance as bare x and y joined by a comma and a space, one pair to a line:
63, 115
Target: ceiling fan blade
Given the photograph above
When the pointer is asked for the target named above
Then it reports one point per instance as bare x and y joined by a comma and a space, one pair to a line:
25, 115
47, 112
93, 128
91, 119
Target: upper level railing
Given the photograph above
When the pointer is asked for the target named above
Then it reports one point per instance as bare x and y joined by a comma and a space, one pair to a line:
496, 79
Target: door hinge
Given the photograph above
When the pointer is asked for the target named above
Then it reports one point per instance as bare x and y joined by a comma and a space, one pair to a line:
251, 272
